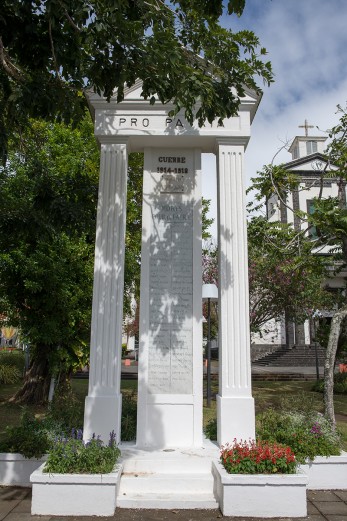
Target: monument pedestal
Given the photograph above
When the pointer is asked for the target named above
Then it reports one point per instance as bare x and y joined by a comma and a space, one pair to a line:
95, 421
235, 418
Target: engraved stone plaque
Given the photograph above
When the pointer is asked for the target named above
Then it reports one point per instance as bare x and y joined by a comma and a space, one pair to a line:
172, 183
171, 299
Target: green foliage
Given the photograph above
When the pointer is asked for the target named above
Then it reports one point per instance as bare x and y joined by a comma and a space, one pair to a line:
129, 417
284, 277
133, 232
73, 456
30, 438
65, 411
211, 429
308, 433
46, 262
272, 179
9, 374
257, 458
340, 384
177, 49
13, 358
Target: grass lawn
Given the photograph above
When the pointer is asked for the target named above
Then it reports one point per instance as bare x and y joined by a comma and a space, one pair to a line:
266, 394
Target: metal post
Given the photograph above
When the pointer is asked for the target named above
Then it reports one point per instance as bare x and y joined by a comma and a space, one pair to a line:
208, 387
316, 350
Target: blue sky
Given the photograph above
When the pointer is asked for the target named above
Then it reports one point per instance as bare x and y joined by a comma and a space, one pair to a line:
306, 42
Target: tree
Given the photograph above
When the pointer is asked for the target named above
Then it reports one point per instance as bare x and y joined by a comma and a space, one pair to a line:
47, 231
330, 220
177, 49
284, 278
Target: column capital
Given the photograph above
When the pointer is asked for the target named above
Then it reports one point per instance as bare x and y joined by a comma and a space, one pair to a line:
114, 140
232, 141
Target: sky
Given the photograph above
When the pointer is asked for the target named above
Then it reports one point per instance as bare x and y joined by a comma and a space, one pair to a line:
306, 42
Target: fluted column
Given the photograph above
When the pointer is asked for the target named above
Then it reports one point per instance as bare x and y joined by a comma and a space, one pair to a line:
104, 400
235, 405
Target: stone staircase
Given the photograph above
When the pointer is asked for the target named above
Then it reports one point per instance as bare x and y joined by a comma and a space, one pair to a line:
295, 356
167, 479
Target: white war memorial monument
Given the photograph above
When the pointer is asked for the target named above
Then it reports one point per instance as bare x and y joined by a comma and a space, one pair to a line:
170, 372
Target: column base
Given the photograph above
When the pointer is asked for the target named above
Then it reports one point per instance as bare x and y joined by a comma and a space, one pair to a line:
235, 419
102, 415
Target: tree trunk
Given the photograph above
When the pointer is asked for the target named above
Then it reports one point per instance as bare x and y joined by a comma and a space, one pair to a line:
36, 383
329, 364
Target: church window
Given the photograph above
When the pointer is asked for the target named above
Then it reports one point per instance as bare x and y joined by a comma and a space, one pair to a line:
296, 152
311, 147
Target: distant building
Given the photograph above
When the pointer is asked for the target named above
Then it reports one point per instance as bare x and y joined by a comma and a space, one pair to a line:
308, 162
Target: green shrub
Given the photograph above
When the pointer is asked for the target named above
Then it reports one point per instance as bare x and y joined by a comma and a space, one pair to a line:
340, 384
73, 456
129, 417
13, 358
30, 438
65, 410
308, 435
211, 429
9, 374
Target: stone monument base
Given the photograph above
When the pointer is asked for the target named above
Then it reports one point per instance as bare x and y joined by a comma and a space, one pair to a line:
235, 418
169, 421
94, 414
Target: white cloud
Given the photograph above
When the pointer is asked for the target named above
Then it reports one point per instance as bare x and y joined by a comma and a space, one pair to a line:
306, 43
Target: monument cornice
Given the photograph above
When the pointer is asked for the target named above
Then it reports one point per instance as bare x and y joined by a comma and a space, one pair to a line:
140, 121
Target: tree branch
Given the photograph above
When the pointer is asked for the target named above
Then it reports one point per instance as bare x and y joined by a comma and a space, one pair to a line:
14, 72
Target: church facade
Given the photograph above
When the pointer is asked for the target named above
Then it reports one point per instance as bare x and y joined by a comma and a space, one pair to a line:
310, 165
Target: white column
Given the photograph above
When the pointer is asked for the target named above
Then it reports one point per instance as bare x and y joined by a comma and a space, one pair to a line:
104, 401
235, 405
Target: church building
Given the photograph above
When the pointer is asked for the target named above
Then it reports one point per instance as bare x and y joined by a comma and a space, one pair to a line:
310, 165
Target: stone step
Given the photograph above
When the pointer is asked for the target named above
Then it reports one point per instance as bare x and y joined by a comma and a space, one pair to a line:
167, 478
169, 461
169, 501
165, 483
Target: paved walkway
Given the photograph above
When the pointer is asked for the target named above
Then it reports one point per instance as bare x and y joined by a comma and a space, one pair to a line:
322, 505
256, 369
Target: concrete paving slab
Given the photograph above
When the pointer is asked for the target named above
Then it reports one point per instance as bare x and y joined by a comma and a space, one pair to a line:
342, 494
332, 507
322, 495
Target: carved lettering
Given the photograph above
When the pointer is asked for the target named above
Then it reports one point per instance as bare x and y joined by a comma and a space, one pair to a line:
171, 300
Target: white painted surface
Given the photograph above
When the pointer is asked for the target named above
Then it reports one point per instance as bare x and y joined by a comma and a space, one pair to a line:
170, 354
272, 333
103, 403
147, 125
260, 495
327, 473
235, 405
169, 414
15, 469
74, 494
180, 478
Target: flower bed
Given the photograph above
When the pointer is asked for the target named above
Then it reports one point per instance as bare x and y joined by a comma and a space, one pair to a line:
74, 494
260, 495
259, 480
326, 472
15, 469
79, 478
